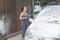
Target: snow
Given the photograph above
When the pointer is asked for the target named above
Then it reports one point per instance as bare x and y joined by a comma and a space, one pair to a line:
47, 23
2, 27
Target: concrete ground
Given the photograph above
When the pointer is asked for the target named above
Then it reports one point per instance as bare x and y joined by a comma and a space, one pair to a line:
17, 37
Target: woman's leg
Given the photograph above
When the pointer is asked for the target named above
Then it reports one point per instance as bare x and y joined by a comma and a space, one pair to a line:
23, 30
26, 26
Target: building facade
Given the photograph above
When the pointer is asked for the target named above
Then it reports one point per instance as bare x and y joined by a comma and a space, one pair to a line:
11, 9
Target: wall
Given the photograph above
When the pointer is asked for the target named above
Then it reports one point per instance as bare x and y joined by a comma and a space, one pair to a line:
11, 9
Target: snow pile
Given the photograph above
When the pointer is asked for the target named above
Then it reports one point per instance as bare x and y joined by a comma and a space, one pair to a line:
47, 23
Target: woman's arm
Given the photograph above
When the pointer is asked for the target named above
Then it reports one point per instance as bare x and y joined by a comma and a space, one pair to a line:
21, 18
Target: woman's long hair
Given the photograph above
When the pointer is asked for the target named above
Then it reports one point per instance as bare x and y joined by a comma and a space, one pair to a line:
22, 8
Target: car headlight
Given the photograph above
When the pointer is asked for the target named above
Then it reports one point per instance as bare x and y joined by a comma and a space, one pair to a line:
28, 34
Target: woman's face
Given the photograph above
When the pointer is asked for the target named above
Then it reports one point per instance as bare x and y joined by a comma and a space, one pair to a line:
25, 9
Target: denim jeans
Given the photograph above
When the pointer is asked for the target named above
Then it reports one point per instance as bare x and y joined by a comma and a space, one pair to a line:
24, 27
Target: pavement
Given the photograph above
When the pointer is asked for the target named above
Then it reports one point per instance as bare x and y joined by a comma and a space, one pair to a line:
17, 37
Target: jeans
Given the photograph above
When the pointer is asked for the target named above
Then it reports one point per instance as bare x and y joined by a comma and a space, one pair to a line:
24, 27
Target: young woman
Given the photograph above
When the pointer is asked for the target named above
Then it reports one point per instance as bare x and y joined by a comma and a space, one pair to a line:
24, 20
